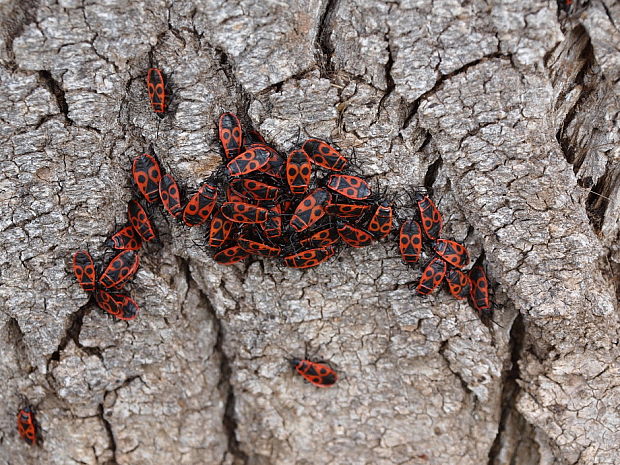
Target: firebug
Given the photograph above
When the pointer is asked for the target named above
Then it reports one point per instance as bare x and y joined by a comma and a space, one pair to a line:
310, 210
352, 187
230, 135
432, 276
26, 426
156, 89
309, 258
458, 283
170, 195
120, 270
140, 221
146, 173
410, 241
479, 292
125, 239
318, 373
84, 270
200, 205
248, 161
323, 154
298, 171
452, 252
230, 255
354, 236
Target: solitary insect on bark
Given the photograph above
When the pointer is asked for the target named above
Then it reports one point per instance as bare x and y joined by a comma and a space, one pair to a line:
26, 426
156, 89
317, 373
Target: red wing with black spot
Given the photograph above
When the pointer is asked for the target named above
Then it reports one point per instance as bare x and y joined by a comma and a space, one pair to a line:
84, 270
258, 248
219, 229
255, 190
352, 187
432, 276
156, 88
452, 252
322, 238
430, 218
319, 374
140, 221
230, 255
120, 270
251, 160
458, 284
310, 210
479, 288
298, 171
309, 258
170, 195
323, 154
26, 426
354, 236
230, 135
410, 241
241, 212
125, 239
200, 205
346, 210
380, 225
146, 173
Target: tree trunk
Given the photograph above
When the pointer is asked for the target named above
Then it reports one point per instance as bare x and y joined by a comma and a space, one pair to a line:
507, 112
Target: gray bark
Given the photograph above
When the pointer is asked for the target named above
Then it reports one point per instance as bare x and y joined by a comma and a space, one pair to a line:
508, 111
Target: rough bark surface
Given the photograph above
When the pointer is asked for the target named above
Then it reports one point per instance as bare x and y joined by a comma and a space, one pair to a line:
507, 111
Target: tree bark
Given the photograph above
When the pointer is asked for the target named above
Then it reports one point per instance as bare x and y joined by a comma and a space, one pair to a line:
507, 112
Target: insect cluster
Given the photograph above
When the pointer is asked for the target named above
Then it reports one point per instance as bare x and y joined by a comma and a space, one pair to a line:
299, 208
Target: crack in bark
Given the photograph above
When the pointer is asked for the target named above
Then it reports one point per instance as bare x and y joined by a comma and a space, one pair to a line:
324, 47
73, 334
413, 107
510, 387
108, 428
56, 89
225, 387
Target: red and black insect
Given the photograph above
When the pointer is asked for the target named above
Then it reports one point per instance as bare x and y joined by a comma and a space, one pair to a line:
318, 373
140, 221
258, 248
120, 270
146, 173
352, 187
410, 241
156, 89
380, 225
310, 210
354, 236
309, 258
230, 255
251, 160
452, 252
346, 210
479, 292
219, 229
27, 426
170, 195
200, 205
255, 190
230, 135
125, 239
298, 171
322, 238
84, 270
432, 276
275, 164
458, 284
430, 218
273, 226
241, 212
323, 154
120, 306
